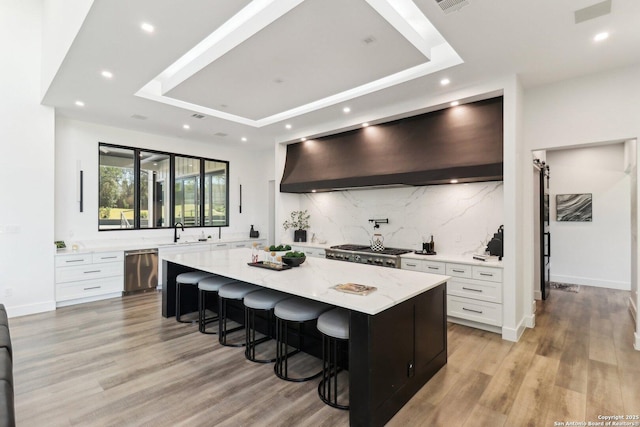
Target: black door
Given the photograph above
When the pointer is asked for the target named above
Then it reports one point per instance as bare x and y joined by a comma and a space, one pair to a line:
545, 235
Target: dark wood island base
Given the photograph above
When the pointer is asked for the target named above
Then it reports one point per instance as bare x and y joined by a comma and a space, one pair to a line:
392, 354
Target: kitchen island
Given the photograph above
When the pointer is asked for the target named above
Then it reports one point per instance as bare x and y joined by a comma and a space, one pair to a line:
398, 336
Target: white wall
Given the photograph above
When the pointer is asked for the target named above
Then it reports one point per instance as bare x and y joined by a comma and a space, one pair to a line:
27, 138
595, 253
461, 217
595, 108
78, 141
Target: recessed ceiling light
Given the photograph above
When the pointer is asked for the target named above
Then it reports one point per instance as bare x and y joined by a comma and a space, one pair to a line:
186, 127
243, 139
455, 103
346, 110
288, 126
454, 181
601, 36
147, 27
80, 103
445, 82
107, 74
365, 124
313, 191
303, 139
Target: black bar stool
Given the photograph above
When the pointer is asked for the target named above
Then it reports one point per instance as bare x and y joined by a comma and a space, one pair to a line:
189, 279
334, 326
293, 310
232, 291
263, 300
206, 286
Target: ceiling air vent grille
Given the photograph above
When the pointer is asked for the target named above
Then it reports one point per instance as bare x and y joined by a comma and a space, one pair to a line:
220, 134
197, 116
449, 6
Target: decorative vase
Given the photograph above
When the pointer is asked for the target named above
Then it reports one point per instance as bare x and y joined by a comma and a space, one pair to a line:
300, 235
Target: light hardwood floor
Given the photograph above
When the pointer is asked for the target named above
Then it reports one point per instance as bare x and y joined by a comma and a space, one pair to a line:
118, 362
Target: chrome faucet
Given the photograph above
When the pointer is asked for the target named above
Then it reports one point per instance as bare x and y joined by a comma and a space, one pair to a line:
175, 231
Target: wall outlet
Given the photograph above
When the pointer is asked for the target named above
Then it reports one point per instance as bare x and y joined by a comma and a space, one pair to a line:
8, 292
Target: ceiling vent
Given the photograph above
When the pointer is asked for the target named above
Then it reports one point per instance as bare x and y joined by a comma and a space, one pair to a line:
139, 117
197, 116
449, 6
221, 134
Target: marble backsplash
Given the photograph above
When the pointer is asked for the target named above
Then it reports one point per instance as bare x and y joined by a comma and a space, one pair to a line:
461, 217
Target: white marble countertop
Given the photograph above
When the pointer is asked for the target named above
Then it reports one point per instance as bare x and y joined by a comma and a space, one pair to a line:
119, 245
462, 259
315, 278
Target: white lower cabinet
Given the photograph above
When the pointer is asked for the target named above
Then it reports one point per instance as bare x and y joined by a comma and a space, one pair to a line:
474, 292
89, 277
310, 251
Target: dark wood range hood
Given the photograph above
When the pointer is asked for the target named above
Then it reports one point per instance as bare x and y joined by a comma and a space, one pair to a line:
462, 143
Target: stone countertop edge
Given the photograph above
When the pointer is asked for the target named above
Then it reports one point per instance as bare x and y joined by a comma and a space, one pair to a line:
146, 245
316, 277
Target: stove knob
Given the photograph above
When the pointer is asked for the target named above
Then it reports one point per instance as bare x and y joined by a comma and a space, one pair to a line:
369, 261
357, 257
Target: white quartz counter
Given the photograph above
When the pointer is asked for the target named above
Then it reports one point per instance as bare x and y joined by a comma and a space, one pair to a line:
315, 278
461, 259
120, 245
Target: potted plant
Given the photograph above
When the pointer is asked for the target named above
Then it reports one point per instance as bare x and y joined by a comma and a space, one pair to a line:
300, 223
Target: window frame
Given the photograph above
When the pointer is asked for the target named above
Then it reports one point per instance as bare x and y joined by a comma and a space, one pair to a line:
172, 182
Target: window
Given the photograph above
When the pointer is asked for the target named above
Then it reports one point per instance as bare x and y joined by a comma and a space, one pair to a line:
142, 189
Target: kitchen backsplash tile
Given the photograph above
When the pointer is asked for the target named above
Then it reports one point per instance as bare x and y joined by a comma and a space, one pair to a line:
461, 217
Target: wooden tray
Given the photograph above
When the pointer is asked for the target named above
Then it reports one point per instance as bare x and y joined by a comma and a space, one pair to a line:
261, 264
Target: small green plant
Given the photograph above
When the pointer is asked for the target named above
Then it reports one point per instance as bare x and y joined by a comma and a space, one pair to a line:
299, 221
279, 248
294, 254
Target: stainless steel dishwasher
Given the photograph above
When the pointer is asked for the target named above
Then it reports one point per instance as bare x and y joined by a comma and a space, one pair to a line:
140, 270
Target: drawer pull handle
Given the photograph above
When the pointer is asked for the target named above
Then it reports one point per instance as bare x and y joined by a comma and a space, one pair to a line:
475, 311
221, 245
93, 287
471, 289
74, 260
92, 271
487, 274
433, 268
458, 271
109, 257
412, 265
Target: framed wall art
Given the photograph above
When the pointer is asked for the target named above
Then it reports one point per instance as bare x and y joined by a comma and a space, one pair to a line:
574, 207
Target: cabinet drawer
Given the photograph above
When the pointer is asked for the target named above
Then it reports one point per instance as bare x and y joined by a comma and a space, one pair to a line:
87, 272
475, 289
434, 267
459, 270
477, 311
108, 257
487, 273
70, 260
411, 264
219, 246
88, 288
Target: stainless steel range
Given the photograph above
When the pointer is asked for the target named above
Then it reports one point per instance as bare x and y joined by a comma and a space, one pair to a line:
389, 257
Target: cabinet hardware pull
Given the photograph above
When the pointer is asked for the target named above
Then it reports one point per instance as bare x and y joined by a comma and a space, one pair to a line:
475, 311
471, 289
222, 244
411, 265
92, 271
433, 268
487, 274
93, 287
109, 257
74, 260
458, 271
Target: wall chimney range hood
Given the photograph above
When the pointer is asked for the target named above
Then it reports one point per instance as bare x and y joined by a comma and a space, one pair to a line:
464, 143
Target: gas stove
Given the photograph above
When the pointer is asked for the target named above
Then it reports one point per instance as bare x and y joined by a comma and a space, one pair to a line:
389, 257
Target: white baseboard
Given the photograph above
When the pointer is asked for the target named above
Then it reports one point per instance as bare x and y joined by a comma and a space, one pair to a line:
472, 324
537, 295
636, 345
586, 281
511, 334
89, 299
25, 310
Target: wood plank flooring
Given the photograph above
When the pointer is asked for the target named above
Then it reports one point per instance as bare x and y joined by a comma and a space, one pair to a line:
119, 363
